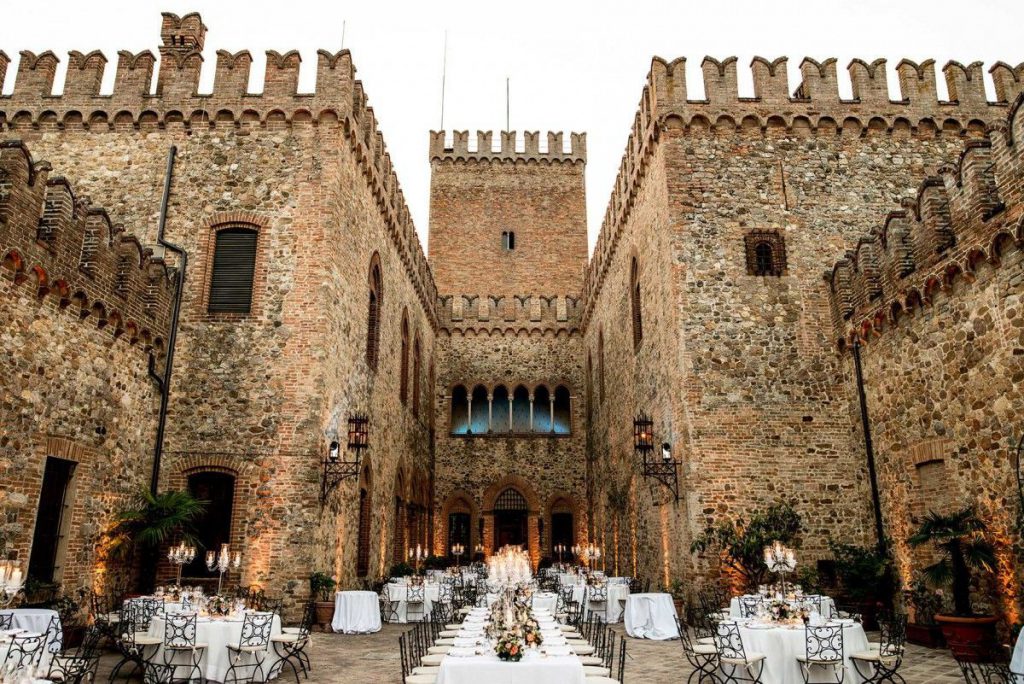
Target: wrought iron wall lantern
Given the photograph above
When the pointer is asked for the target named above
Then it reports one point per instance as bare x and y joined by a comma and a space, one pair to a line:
664, 470
337, 469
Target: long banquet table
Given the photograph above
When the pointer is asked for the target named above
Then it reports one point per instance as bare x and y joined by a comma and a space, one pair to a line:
217, 633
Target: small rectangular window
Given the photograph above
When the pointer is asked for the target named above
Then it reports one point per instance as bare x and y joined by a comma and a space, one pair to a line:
508, 240
234, 265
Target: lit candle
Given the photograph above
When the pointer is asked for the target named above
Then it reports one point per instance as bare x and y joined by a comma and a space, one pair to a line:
238, 558
16, 578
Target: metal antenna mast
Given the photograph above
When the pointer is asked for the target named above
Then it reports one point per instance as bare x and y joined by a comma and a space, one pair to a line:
507, 126
444, 75
342, 34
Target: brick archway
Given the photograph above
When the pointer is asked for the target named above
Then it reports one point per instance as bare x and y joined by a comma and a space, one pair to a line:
459, 501
533, 514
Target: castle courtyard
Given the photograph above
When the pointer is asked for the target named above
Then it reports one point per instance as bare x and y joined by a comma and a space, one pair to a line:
279, 399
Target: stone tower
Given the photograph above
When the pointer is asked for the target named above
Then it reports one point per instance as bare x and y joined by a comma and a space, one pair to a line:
507, 222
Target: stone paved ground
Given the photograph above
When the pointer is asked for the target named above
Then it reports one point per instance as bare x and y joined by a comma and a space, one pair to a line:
373, 659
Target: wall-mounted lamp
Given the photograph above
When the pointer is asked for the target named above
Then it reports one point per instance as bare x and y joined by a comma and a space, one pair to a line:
665, 471
336, 469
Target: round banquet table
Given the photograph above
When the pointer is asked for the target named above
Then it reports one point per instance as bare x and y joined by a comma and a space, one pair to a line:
37, 620
618, 594
651, 616
217, 633
532, 669
356, 612
781, 646
828, 606
1017, 661
400, 592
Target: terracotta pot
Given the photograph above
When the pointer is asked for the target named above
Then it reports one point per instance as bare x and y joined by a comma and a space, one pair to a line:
929, 636
324, 615
972, 639
680, 605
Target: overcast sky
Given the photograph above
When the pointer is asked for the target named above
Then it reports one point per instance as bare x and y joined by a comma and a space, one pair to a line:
574, 66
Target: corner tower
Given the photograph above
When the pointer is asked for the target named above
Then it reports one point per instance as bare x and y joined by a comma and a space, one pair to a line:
507, 221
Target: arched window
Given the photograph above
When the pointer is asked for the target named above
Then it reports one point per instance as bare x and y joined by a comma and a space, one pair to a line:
478, 411
542, 409
234, 266
403, 388
634, 301
600, 364
563, 422
521, 409
373, 314
501, 410
460, 411
766, 253
416, 377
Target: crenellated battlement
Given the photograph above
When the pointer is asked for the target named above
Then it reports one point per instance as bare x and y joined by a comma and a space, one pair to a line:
967, 214
174, 96
515, 315
60, 245
461, 150
815, 108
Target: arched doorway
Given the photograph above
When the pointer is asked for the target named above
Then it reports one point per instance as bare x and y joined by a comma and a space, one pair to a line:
510, 518
563, 528
213, 526
365, 520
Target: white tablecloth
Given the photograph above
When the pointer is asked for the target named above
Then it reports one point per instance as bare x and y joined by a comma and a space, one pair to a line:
356, 612
532, 669
545, 601
399, 592
617, 596
651, 616
37, 620
781, 646
217, 634
827, 607
1017, 661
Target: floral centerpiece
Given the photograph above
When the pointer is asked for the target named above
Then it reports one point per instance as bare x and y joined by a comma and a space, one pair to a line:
783, 611
509, 647
512, 627
219, 605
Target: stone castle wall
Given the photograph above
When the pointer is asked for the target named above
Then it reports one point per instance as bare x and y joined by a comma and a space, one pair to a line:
261, 395
932, 295
760, 406
85, 309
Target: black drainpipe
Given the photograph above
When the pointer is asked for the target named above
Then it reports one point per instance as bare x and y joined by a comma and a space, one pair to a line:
869, 448
164, 381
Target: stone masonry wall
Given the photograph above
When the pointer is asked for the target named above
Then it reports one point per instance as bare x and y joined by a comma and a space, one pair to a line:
261, 395
78, 334
763, 407
933, 297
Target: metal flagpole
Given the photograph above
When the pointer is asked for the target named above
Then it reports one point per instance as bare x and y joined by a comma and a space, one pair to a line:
342, 34
507, 126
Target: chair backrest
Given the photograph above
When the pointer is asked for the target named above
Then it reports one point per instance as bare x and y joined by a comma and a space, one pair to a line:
404, 656
180, 630
54, 635
598, 593
622, 659
728, 641
6, 620
24, 651
893, 635
824, 643
415, 593
684, 636
256, 629
749, 605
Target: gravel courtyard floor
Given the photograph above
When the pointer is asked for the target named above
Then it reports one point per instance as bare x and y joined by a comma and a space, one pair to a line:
373, 658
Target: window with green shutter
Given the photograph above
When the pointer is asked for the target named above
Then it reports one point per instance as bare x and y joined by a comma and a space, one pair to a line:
234, 265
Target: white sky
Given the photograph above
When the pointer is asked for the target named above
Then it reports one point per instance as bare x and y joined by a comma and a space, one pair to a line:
574, 66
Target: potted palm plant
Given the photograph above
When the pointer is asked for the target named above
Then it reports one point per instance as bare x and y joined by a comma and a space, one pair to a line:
960, 539
321, 589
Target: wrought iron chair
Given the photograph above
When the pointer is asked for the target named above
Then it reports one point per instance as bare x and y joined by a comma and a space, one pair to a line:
253, 644
388, 607
78, 666
25, 651
621, 669
180, 644
597, 594
6, 620
702, 657
734, 659
987, 672
881, 664
290, 646
824, 650
133, 642
415, 601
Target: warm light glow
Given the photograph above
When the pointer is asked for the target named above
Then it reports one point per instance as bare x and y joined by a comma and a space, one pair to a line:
665, 547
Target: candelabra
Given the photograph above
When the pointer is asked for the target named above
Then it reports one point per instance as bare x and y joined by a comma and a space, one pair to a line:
222, 562
780, 560
457, 551
417, 556
11, 582
181, 555
559, 549
592, 554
